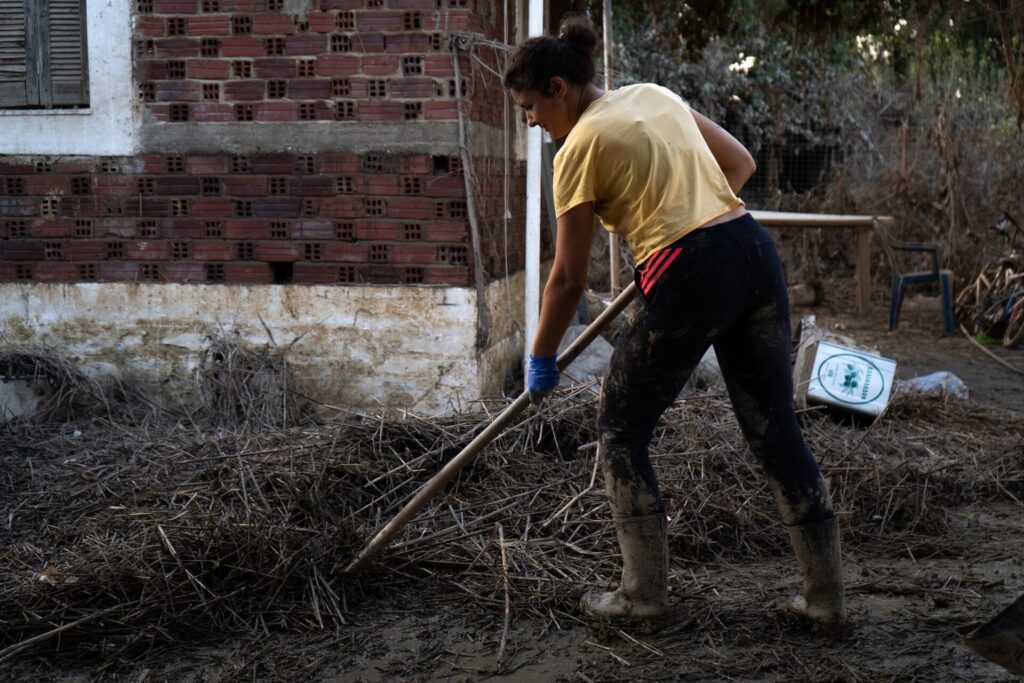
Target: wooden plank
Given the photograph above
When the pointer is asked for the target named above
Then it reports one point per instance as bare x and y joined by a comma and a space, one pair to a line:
815, 220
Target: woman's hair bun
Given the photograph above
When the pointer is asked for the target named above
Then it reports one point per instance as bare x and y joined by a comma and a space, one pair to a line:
570, 55
578, 33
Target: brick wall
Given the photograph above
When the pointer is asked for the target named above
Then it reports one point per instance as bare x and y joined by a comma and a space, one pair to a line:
348, 60
332, 216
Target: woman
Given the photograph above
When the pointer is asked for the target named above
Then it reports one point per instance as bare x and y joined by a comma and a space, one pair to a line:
665, 179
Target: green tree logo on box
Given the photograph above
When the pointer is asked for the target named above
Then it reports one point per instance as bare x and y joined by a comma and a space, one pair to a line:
851, 376
851, 379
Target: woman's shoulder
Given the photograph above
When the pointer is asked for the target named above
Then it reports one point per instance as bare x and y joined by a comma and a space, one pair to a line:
650, 91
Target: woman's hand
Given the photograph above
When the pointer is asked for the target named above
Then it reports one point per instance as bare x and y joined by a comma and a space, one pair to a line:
568, 278
541, 377
736, 162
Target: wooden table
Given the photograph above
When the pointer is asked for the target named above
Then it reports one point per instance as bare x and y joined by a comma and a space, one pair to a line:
863, 225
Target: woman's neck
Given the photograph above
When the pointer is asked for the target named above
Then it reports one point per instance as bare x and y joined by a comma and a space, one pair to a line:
587, 97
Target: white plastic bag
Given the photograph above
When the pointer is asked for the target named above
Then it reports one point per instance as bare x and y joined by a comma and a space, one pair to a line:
942, 384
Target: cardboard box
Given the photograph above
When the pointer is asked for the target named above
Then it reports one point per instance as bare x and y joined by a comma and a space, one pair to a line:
849, 378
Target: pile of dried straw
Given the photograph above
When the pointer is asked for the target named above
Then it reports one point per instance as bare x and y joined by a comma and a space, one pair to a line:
151, 526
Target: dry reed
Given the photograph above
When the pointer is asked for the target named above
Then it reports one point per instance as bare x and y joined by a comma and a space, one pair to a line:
165, 527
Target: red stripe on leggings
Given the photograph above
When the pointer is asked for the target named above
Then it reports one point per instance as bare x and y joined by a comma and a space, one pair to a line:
651, 266
661, 270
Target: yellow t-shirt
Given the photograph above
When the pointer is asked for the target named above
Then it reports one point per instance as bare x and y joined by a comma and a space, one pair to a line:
637, 153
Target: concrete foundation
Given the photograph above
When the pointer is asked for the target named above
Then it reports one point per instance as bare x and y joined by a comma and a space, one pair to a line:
402, 347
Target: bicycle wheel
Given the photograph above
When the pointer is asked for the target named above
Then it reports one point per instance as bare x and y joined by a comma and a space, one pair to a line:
965, 305
992, 322
1014, 334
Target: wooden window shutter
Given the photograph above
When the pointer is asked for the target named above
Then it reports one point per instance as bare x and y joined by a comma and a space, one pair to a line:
68, 67
43, 53
13, 59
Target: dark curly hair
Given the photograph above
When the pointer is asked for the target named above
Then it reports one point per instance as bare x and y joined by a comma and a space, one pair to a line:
570, 55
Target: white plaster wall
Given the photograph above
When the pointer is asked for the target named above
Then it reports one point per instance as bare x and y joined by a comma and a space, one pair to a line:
110, 125
363, 347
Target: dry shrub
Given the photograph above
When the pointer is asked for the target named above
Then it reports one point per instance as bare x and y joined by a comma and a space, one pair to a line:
940, 153
932, 138
245, 386
67, 390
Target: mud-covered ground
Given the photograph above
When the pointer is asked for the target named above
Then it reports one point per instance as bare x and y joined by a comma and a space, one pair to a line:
904, 606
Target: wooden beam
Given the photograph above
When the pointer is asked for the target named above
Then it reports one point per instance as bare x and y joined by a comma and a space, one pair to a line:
863, 269
815, 220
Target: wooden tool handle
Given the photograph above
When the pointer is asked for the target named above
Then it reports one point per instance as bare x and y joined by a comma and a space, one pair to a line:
466, 455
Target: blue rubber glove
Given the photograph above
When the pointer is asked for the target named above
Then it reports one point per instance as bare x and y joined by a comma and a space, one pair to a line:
541, 378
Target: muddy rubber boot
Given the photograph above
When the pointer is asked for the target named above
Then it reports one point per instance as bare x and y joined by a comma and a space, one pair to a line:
641, 601
817, 549
1001, 638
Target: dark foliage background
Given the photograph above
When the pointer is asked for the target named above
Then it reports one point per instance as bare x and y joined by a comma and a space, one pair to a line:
912, 109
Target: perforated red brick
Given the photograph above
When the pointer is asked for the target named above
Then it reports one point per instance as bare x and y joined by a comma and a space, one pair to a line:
347, 252
147, 250
345, 111
414, 253
257, 273
277, 207
312, 186
409, 208
212, 207
273, 24
278, 252
378, 230
337, 65
321, 22
313, 229
452, 275
310, 273
305, 45
345, 230
149, 272
181, 272
273, 67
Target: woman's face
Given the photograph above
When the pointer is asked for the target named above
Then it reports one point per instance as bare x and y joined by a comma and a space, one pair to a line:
550, 113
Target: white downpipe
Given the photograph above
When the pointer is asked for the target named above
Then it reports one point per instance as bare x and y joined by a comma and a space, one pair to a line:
533, 140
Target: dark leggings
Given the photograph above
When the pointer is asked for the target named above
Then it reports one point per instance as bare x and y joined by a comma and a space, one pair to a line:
725, 287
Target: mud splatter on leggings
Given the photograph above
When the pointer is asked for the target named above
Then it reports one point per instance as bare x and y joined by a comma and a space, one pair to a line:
725, 287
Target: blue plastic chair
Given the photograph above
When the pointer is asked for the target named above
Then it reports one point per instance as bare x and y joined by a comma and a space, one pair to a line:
901, 280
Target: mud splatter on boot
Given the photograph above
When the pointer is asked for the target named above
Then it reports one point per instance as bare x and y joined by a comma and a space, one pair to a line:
641, 601
822, 603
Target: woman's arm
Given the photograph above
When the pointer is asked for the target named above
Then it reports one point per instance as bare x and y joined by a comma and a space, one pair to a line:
736, 162
568, 278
